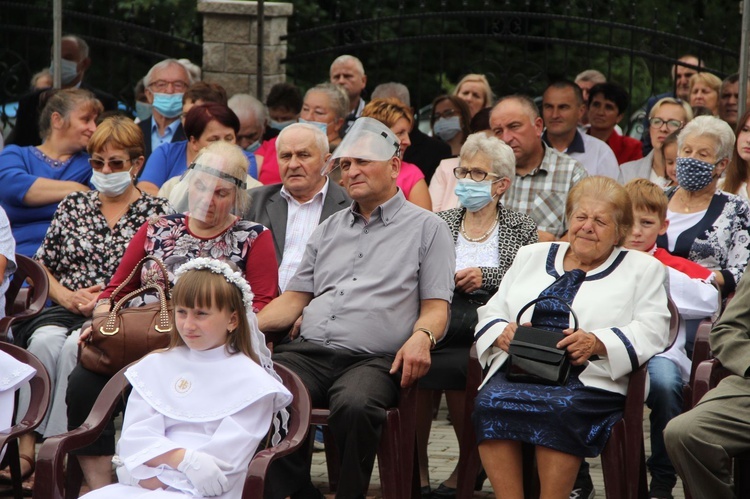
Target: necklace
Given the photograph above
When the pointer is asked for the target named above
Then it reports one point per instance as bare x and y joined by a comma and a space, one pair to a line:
690, 207
483, 236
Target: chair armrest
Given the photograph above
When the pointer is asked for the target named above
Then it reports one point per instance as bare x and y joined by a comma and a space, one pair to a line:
707, 376
298, 428
52, 454
701, 346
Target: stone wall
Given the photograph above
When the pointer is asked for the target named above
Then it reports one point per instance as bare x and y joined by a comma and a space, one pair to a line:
230, 44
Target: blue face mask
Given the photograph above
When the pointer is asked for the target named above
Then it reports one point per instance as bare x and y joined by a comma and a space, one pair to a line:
447, 128
168, 105
280, 125
323, 126
694, 174
68, 71
474, 195
253, 147
142, 110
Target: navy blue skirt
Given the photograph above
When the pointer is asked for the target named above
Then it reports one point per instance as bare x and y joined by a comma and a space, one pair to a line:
574, 418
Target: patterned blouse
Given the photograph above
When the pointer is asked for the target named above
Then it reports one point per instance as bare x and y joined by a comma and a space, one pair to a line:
514, 230
248, 245
720, 240
80, 249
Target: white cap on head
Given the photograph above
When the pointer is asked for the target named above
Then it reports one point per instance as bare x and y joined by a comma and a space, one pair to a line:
367, 139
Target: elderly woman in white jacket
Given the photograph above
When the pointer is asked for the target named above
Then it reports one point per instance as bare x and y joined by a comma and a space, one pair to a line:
621, 303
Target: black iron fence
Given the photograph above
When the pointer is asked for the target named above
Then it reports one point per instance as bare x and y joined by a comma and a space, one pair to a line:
124, 41
520, 45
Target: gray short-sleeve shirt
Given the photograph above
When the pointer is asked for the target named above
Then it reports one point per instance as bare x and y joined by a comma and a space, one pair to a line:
367, 279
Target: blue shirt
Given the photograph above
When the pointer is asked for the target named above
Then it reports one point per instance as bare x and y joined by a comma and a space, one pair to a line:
170, 160
158, 140
20, 167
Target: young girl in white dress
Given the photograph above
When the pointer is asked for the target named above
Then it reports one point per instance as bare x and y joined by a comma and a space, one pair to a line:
199, 409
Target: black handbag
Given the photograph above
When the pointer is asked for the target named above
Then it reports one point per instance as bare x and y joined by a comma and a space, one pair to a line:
534, 356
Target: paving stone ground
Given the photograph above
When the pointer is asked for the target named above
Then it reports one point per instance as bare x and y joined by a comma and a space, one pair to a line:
443, 450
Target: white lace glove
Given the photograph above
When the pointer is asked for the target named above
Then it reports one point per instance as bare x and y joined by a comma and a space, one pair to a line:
206, 473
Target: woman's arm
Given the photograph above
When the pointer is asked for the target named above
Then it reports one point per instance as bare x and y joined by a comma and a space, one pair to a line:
133, 254
262, 271
46, 191
420, 195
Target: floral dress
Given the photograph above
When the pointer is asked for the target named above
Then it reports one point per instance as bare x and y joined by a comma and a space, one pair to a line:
247, 244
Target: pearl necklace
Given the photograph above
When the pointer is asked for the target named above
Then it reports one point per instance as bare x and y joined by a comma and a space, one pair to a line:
483, 236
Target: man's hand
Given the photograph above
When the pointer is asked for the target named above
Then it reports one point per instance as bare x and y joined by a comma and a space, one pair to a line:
413, 358
469, 279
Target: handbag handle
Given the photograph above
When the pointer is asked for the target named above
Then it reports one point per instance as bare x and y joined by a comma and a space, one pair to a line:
542, 298
137, 268
164, 323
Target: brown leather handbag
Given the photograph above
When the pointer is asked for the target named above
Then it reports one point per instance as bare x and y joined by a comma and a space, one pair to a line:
124, 335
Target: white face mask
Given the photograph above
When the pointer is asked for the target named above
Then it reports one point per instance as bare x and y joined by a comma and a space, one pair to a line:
111, 184
68, 71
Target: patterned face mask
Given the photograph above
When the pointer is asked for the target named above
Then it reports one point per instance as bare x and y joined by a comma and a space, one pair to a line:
694, 174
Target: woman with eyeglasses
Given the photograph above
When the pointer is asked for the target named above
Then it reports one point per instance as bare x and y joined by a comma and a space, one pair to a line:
80, 252
667, 116
487, 236
450, 121
34, 179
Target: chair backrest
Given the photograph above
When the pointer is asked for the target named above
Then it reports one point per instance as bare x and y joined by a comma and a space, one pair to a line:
20, 302
40, 394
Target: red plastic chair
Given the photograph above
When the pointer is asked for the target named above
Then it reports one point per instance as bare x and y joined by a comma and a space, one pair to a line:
396, 452
50, 461
24, 303
38, 405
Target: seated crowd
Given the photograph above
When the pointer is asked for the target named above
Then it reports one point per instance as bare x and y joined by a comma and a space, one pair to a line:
371, 256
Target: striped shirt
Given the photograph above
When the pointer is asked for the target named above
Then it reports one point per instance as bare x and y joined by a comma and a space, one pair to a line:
541, 194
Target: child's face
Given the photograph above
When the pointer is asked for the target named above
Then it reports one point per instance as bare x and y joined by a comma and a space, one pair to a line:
670, 160
204, 328
646, 227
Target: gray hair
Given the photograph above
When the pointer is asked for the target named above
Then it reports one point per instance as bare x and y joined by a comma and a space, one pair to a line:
163, 65
245, 105
343, 59
713, 128
321, 141
337, 96
83, 47
591, 75
500, 153
393, 90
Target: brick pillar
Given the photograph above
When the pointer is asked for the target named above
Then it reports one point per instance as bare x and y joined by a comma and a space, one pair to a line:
230, 44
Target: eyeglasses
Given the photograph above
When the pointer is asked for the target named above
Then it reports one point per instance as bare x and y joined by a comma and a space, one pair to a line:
162, 85
448, 113
476, 174
672, 125
115, 164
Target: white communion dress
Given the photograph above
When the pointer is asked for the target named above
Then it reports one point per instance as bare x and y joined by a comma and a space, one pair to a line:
13, 373
209, 401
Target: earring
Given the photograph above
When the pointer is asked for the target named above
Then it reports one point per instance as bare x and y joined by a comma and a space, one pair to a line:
230, 331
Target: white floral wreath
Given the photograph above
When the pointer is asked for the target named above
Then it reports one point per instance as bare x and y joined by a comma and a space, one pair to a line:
221, 268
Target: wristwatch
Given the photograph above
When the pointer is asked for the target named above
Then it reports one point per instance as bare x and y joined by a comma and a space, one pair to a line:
433, 342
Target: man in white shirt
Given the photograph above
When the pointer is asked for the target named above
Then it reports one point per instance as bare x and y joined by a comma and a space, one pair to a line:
562, 109
294, 208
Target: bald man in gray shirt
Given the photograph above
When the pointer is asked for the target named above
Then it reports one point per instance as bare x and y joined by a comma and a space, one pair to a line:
374, 289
